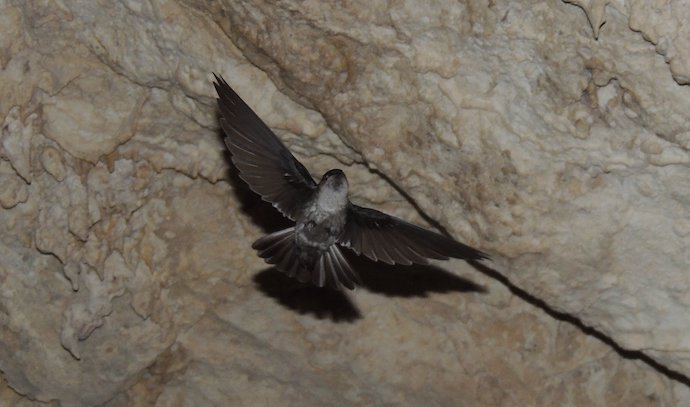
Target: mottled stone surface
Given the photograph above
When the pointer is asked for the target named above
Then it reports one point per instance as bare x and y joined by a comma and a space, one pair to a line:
553, 138
514, 127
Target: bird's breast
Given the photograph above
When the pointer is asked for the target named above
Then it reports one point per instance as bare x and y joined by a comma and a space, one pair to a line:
318, 227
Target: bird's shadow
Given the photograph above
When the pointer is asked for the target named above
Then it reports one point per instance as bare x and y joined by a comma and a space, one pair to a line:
392, 281
306, 299
416, 280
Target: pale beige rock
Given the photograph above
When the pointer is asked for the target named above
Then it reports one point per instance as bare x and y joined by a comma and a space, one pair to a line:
14, 189
596, 12
126, 274
15, 142
663, 23
82, 319
88, 127
53, 163
32, 357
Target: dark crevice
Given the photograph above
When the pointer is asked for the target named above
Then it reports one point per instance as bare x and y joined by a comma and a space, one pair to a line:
587, 330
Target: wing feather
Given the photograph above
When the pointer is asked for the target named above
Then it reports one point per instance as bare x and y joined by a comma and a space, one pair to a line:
349, 276
392, 240
262, 160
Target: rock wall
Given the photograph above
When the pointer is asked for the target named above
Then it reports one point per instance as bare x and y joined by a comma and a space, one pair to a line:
552, 138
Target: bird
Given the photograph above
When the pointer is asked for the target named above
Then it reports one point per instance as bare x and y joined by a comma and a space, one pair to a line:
326, 223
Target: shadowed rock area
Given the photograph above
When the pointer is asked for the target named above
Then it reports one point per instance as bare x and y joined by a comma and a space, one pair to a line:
553, 135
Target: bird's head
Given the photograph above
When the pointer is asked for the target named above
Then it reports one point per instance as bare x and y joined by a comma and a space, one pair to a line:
334, 180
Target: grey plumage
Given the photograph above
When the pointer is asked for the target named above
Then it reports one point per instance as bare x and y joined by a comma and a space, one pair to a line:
325, 219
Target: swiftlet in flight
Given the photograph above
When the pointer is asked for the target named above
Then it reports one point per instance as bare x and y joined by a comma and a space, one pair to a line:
325, 219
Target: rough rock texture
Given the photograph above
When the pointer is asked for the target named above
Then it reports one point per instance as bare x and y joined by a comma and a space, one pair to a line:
553, 138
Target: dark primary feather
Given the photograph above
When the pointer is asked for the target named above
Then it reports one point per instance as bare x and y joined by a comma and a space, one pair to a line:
263, 161
391, 240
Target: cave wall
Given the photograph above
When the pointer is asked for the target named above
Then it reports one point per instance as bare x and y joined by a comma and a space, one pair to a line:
550, 134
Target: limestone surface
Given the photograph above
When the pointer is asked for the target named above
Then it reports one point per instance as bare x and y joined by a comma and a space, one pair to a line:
553, 135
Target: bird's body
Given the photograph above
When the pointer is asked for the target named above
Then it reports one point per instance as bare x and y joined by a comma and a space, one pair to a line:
321, 219
325, 219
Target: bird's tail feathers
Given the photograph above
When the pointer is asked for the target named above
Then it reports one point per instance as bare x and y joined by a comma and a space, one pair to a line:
279, 249
333, 269
329, 268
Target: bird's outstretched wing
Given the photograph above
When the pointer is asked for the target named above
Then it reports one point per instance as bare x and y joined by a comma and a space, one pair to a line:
391, 240
263, 161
